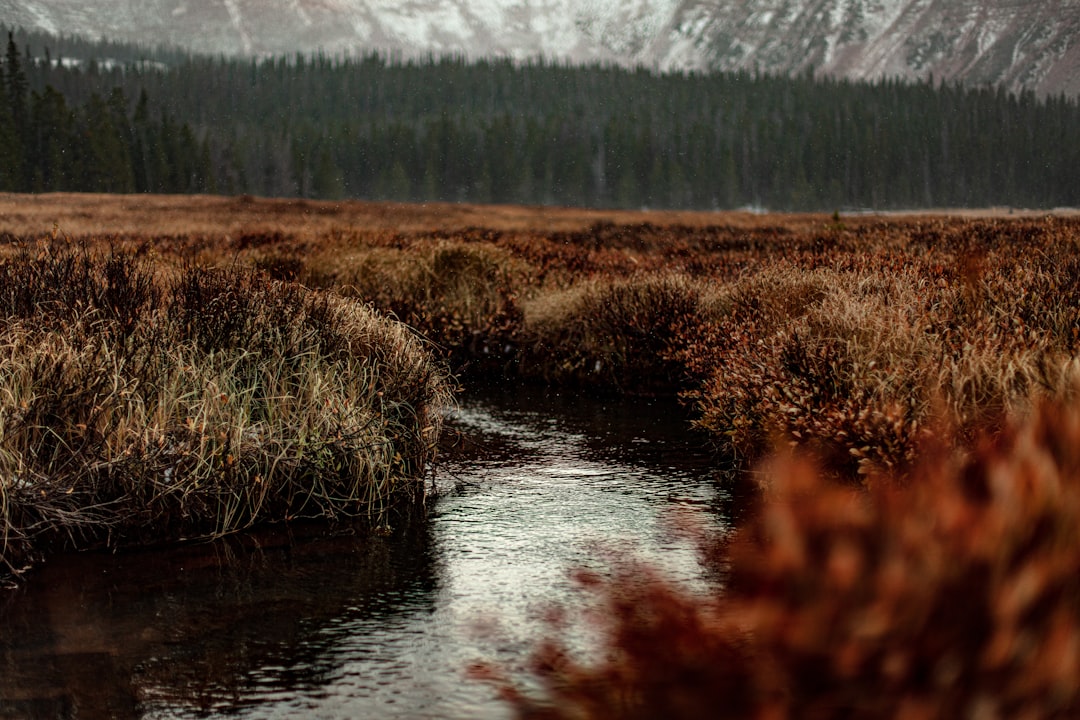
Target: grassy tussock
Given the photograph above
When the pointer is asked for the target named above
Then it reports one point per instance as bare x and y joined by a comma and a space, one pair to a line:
139, 407
955, 597
459, 296
612, 334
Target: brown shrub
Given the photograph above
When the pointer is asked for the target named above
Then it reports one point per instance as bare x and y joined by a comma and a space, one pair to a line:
851, 362
957, 596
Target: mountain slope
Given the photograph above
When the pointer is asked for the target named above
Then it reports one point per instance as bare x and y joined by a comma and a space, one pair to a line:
597, 29
1020, 44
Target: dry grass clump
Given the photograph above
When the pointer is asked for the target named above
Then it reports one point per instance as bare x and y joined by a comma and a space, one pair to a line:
957, 596
460, 296
612, 334
140, 406
801, 356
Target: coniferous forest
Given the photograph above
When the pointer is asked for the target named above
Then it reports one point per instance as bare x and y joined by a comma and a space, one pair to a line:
130, 119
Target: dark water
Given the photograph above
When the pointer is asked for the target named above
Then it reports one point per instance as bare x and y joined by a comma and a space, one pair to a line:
344, 627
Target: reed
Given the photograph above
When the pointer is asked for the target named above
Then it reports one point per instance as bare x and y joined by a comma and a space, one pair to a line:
144, 405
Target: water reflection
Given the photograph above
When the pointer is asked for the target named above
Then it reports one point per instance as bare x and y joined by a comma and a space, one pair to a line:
200, 629
325, 626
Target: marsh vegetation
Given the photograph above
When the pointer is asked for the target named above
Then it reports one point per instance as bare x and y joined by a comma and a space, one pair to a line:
144, 403
915, 553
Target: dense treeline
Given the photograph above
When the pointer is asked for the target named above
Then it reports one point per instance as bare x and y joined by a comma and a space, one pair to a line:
101, 144
540, 132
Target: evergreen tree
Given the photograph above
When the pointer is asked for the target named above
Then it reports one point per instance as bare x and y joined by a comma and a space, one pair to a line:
142, 145
105, 165
327, 181
14, 123
53, 138
537, 132
9, 142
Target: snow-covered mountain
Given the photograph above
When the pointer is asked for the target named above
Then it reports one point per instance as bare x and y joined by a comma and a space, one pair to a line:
575, 29
1021, 44
1033, 44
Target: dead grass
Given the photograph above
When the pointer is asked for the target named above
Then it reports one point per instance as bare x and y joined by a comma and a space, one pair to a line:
612, 334
81, 214
848, 338
856, 357
145, 405
460, 296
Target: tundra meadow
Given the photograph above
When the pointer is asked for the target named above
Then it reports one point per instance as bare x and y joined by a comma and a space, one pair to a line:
896, 394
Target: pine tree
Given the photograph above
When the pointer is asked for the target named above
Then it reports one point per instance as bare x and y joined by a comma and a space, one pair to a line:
9, 145
54, 135
16, 142
142, 145
105, 162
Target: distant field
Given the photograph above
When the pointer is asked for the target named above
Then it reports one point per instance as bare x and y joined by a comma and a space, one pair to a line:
79, 214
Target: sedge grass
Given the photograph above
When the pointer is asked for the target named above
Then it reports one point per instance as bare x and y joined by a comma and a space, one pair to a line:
848, 339
612, 334
884, 347
460, 296
212, 401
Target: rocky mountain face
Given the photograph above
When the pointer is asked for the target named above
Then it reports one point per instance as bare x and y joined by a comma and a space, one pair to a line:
1021, 44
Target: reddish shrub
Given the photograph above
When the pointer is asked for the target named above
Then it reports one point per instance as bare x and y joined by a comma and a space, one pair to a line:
954, 596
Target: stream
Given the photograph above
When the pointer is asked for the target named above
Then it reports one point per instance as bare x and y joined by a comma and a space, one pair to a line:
281, 624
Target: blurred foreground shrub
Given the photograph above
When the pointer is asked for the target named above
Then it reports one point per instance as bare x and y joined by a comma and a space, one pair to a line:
954, 595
